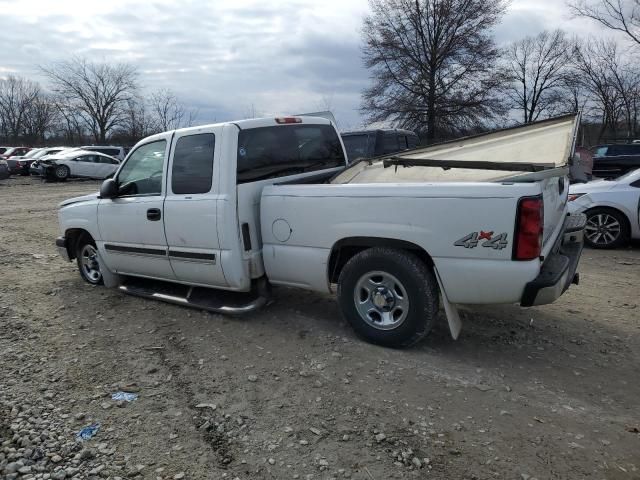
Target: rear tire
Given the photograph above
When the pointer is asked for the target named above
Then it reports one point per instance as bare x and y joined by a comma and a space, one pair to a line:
87, 260
388, 296
606, 228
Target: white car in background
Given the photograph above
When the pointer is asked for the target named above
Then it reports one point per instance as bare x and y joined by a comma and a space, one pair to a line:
75, 163
612, 208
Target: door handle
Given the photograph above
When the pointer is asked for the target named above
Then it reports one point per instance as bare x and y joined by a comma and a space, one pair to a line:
154, 214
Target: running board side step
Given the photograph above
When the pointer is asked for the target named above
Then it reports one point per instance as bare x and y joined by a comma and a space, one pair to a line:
209, 299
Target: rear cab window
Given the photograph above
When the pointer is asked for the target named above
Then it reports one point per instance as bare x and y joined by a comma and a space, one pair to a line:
278, 151
192, 170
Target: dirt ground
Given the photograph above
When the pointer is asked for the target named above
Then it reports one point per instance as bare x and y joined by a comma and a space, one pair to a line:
550, 393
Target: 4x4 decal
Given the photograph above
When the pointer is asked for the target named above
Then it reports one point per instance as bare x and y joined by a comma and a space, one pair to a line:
497, 242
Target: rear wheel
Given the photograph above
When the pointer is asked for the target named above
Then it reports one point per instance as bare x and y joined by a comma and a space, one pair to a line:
389, 296
87, 259
606, 228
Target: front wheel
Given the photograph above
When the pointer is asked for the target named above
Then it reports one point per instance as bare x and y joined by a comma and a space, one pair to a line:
87, 259
61, 173
389, 296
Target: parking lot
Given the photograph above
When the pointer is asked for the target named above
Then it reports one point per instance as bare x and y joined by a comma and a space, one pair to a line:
547, 392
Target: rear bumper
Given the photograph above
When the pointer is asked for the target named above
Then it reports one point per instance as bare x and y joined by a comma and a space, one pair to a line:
61, 245
559, 269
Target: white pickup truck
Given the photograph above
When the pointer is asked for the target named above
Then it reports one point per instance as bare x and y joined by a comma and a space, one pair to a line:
212, 216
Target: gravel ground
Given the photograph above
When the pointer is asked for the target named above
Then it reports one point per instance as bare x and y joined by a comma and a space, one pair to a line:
290, 392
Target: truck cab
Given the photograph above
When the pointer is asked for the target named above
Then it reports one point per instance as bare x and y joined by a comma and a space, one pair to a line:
184, 206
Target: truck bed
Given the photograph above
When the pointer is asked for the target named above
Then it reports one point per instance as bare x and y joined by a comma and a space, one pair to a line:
432, 198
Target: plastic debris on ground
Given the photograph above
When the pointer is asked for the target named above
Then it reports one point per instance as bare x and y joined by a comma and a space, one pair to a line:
126, 396
88, 432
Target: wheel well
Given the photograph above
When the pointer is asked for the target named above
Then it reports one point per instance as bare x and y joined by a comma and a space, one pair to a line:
347, 248
627, 222
73, 235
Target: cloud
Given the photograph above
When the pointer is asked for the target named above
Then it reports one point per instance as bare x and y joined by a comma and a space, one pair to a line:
225, 58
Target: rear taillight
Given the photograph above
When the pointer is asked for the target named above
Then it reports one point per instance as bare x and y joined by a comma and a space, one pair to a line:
529, 229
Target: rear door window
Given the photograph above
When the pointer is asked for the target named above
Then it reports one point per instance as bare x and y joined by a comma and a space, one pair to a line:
107, 160
278, 151
614, 151
192, 170
628, 149
390, 143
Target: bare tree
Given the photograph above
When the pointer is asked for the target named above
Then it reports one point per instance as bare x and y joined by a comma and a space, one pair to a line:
41, 117
536, 68
575, 96
169, 112
613, 84
71, 126
140, 121
99, 91
619, 15
16, 98
432, 63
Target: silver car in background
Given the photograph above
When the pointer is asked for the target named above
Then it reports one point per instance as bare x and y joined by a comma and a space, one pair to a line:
75, 164
4, 170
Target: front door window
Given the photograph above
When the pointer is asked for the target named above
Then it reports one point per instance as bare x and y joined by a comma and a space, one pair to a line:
142, 173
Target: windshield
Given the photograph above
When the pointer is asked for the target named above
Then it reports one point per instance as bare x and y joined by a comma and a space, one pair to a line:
44, 153
601, 152
31, 154
270, 152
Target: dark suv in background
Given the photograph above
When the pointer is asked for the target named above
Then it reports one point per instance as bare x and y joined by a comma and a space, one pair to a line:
373, 143
611, 161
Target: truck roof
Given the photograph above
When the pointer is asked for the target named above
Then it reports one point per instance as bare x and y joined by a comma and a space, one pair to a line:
246, 124
374, 130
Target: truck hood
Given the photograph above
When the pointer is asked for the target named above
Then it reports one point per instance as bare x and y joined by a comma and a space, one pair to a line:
84, 198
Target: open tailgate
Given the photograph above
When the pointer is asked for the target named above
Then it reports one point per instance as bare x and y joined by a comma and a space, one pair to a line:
546, 144
537, 152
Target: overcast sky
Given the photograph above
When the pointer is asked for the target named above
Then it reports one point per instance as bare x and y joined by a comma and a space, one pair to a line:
229, 59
